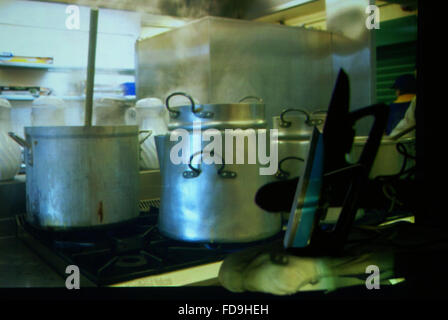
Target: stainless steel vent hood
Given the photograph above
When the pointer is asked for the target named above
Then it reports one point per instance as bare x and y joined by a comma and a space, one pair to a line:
239, 9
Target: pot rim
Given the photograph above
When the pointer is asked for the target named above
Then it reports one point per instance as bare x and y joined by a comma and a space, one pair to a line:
61, 131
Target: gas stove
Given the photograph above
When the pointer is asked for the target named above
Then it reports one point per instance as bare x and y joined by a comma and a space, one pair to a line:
134, 254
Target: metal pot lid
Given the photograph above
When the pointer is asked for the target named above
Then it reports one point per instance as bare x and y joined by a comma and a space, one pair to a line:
219, 116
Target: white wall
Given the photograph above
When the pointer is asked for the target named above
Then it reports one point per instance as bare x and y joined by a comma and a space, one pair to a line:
32, 28
38, 29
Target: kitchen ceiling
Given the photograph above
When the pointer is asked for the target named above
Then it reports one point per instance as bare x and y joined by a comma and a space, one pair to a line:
241, 9
314, 14
406, 5
166, 13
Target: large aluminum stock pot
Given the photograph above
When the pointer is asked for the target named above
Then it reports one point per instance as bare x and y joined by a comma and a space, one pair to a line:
213, 202
81, 176
294, 133
241, 115
393, 156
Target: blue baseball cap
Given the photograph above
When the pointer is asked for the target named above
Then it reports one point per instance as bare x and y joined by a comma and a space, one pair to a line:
406, 84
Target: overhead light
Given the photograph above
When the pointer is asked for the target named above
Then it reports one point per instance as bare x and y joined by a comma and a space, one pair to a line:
268, 7
160, 21
290, 4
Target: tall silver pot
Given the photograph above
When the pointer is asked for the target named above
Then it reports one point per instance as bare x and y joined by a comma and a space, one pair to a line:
211, 202
81, 176
388, 161
249, 112
294, 133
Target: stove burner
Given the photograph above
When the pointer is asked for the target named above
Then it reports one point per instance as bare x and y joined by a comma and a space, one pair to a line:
130, 261
125, 253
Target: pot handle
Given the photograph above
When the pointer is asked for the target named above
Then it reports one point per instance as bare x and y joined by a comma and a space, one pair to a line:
286, 124
282, 174
130, 116
259, 100
317, 122
195, 172
196, 111
148, 134
23, 143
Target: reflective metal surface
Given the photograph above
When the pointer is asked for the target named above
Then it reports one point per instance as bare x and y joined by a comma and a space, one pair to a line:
292, 155
22, 268
217, 116
81, 176
219, 60
209, 206
388, 161
353, 50
295, 127
296, 124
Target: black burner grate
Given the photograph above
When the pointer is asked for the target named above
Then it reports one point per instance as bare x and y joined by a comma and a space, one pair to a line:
128, 252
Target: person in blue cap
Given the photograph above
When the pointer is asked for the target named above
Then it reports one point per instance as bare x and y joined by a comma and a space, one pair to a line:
406, 88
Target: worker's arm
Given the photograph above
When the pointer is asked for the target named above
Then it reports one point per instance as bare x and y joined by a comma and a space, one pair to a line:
408, 121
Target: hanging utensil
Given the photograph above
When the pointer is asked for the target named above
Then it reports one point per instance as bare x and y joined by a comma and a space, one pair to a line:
93, 28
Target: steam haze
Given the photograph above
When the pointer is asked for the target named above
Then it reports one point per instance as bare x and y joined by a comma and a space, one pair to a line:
176, 8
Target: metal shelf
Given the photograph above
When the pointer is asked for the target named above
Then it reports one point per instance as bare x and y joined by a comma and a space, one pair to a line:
72, 98
18, 97
49, 67
26, 65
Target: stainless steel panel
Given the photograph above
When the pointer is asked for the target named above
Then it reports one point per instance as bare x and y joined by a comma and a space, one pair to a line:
150, 185
285, 66
22, 268
352, 45
220, 60
178, 60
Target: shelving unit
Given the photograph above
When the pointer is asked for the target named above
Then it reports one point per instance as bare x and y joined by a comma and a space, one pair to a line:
26, 65
49, 67
17, 97
72, 98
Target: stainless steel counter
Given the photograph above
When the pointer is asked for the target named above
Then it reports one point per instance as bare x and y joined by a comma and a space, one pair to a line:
21, 268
